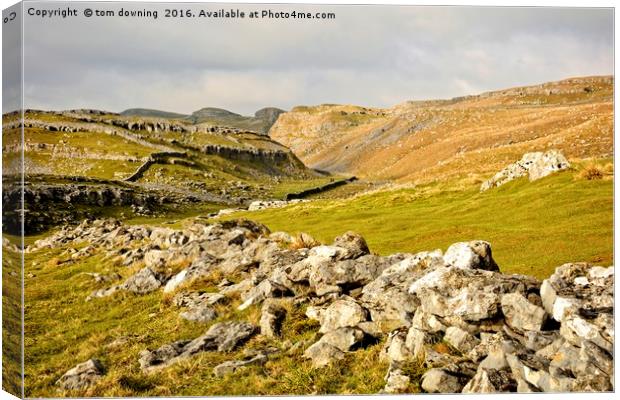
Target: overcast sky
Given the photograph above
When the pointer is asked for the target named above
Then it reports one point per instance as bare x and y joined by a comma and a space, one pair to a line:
368, 55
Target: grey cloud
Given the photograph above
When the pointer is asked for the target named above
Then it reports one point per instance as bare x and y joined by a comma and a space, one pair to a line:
370, 55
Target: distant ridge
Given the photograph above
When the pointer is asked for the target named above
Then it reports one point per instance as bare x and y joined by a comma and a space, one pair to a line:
147, 112
261, 122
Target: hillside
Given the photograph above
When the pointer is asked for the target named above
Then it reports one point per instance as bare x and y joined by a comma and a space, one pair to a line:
260, 122
227, 308
98, 159
423, 141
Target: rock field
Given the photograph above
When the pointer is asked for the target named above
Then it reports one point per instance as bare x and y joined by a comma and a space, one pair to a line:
500, 333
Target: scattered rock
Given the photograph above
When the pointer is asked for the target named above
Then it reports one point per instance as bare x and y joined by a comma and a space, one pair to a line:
396, 381
354, 244
461, 340
145, 281
343, 338
223, 337
474, 328
200, 313
229, 367
82, 375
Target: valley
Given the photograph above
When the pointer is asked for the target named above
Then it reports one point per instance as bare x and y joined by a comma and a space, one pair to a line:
329, 249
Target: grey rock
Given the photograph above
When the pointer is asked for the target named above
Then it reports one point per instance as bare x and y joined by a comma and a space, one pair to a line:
264, 290
145, 281
343, 338
387, 298
349, 273
476, 254
196, 298
491, 381
229, 367
535, 165
396, 381
521, 314
417, 341
199, 313
396, 348
156, 258
427, 322
323, 353
439, 380
460, 339
472, 295
222, 337
272, 316
354, 244
344, 312
495, 360
81, 376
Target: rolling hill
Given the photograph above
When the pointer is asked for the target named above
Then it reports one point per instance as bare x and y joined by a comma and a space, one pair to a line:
423, 141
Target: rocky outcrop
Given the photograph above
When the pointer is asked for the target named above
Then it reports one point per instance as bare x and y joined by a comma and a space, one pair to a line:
534, 165
49, 204
471, 328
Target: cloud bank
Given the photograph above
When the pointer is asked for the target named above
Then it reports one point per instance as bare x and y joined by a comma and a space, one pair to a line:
368, 55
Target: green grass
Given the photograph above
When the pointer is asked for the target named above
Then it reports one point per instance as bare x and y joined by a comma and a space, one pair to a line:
63, 330
11, 320
533, 227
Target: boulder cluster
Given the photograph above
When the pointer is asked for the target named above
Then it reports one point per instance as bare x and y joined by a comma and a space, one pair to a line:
533, 165
469, 327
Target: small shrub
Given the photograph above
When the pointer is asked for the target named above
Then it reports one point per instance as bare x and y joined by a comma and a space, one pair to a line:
303, 241
592, 172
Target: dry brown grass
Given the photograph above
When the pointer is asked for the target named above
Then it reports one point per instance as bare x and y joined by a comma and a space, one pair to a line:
430, 141
591, 173
595, 171
303, 241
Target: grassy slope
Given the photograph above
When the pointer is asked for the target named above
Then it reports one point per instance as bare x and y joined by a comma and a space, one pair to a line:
11, 321
62, 330
532, 226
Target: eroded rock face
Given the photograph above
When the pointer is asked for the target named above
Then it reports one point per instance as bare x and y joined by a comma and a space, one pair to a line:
535, 165
81, 376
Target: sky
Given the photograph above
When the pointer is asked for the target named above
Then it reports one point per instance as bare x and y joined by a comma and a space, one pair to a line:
375, 56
